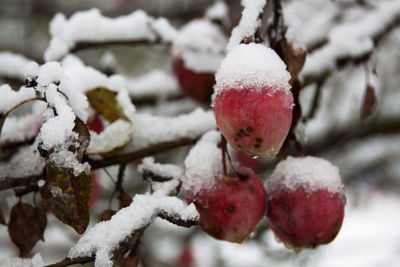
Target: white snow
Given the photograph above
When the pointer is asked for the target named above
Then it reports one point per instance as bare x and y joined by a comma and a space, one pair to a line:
104, 237
91, 26
12, 65
25, 162
10, 98
19, 129
52, 73
252, 66
201, 44
352, 38
35, 261
116, 135
31, 70
310, 173
249, 22
203, 165
219, 10
155, 82
66, 159
149, 130
56, 131
163, 170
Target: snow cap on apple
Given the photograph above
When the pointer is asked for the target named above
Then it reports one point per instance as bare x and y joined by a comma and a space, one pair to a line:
305, 202
252, 100
230, 205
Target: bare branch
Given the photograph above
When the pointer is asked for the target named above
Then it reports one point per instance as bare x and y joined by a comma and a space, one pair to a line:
68, 261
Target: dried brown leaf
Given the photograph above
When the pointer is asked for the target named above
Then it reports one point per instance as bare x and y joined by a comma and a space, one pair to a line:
26, 226
105, 102
83, 139
369, 103
2, 220
67, 196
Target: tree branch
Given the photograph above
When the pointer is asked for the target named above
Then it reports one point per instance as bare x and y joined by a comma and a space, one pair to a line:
85, 45
129, 157
7, 183
177, 221
68, 261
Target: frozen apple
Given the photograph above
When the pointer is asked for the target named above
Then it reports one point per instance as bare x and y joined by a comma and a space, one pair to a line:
252, 102
305, 202
197, 52
232, 208
230, 205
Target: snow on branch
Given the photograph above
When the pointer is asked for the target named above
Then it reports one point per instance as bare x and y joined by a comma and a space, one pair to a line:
352, 40
90, 29
155, 83
35, 261
12, 65
105, 237
10, 98
152, 134
249, 22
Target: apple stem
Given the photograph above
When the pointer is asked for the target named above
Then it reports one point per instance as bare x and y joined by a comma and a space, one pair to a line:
224, 150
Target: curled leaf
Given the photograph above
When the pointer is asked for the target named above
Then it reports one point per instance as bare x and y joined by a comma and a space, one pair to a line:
369, 103
26, 226
2, 220
83, 139
105, 102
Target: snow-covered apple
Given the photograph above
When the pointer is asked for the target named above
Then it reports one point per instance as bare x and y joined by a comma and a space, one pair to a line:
253, 103
197, 52
230, 204
232, 208
305, 202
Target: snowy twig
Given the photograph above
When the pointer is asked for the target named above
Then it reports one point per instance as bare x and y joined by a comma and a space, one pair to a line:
7, 183
148, 151
68, 261
351, 43
89, 29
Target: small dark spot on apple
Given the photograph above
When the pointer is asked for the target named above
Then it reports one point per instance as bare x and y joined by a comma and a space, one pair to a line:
257, 145
252, 189
292, 225
283, 231
249, 129
286, 208
214, 231
259, 140
230, 208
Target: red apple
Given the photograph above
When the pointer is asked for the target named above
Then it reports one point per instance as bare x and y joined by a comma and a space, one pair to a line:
305, 202
231, 209
253, 103
256, 120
